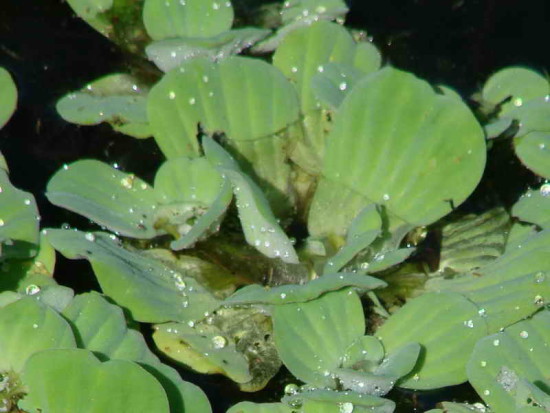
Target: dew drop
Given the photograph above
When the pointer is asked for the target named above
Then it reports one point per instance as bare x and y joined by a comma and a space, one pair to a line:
469, 323
545, 190
346, 407
343, 86
128, 181
524, 334
172, 95
90, 237
219, 342
2, 223
294, 69
216, 6
496, 342
518, 102
283, 296
32, 289
386, 197
192, 101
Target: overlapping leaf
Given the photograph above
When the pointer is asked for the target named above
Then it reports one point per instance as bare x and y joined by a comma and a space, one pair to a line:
397, 143
248, 100
118, 99
501, 361
447, 325
147, 287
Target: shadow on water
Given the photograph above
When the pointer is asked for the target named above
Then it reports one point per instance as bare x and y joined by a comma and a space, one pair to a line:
49, 52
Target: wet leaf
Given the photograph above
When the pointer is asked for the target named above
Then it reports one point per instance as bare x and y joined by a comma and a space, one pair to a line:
312, 337
8, 96
148, 288
100, 327
233, 342
517, 84
118, 99
248, 100
89, 385
301, 56
122, 202
18, 221
27, 327
328, 401
192, 198
534, 207
260, 227
447, 326
294, 293
407, 163
168, 54
187, 18
500, 361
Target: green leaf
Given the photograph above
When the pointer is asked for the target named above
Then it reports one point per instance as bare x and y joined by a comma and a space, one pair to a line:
235, 342
295, 293
186, 190
118, 99
170, 53
301, 56
518, 280
363, 230
91, 11
449, 407
249, 407
312, 337
383, 261
312, 10
150, 289
26, 327
221, 355
378, 378
534, 207
474, 240
8, 96
89, 385
447, 325
248, 100
118, 200
328, 401
100, 327
332, 84
299, 13
518, 84
188, 18
534, 151
260, 227
500, 360
407, 161
19, 217
365, 353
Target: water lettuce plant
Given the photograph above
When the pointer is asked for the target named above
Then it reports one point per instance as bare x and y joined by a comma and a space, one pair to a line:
288, 225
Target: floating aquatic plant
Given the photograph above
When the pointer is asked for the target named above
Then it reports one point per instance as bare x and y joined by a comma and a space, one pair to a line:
297, 197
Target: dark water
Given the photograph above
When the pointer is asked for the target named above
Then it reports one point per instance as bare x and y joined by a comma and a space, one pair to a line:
49, 52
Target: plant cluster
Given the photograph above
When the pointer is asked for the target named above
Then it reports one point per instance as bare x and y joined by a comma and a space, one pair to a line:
285, 227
